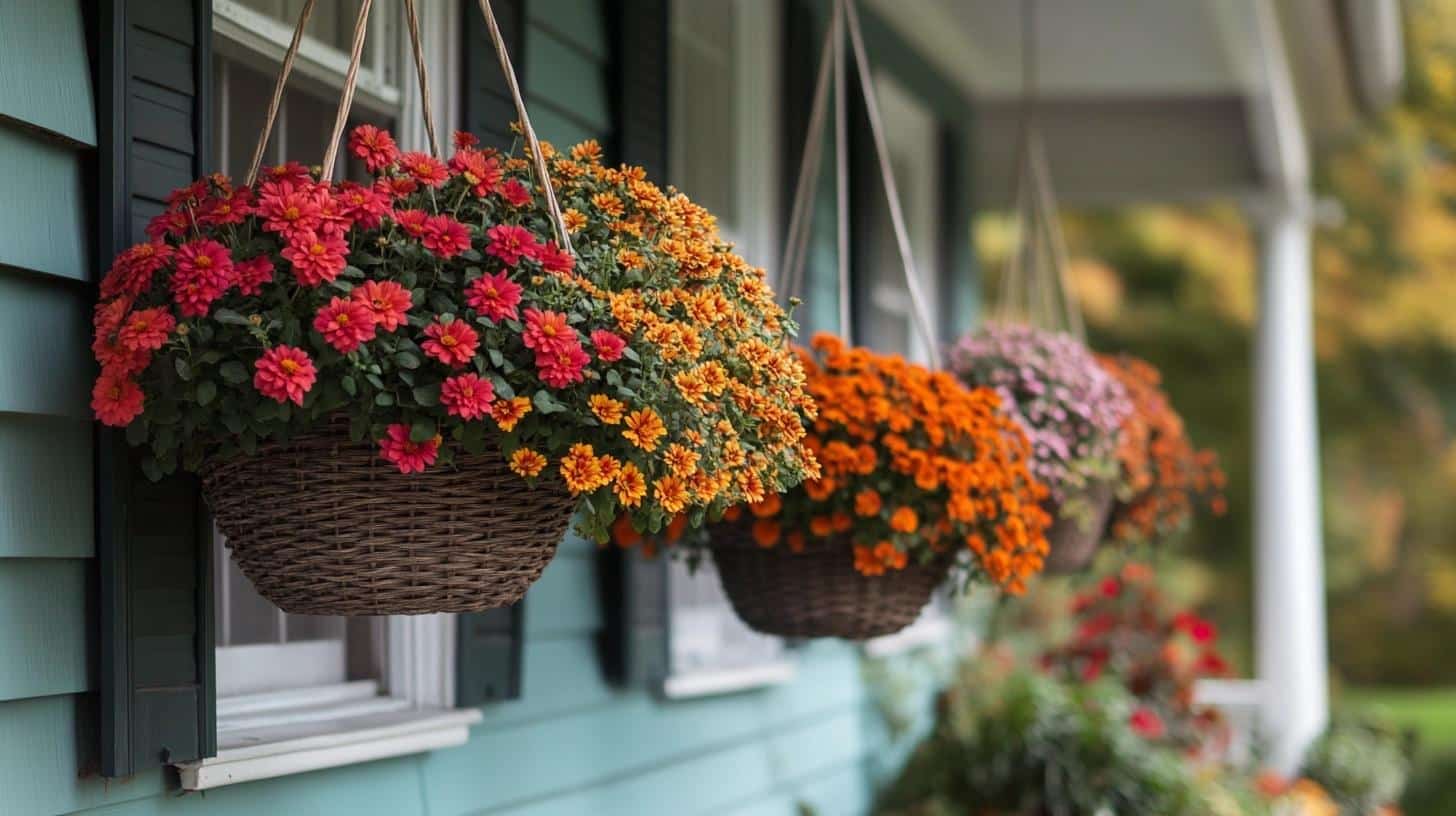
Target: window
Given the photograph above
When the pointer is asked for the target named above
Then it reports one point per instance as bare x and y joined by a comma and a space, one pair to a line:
724, 145
301, 692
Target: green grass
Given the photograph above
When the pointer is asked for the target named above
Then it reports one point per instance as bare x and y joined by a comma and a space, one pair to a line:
1431, 712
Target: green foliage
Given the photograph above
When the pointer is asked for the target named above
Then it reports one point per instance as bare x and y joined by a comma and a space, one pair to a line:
1361, 764
1432, 786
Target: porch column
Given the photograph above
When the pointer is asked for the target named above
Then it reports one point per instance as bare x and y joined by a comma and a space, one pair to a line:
1289, 559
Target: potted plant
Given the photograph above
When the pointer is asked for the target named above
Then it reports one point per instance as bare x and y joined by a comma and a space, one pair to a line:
1164, 478
919, 476
1071, 409
399, 392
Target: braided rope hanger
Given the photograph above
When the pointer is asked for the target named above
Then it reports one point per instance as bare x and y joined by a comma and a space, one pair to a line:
845, 24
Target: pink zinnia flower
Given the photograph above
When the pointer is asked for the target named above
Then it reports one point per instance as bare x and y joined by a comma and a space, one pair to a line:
463, 140
399, 186
1146, 723
467, 396
146, 330
515, 193
131, 272
290, 211
609, 346
293, 173
204, 272
424, 168
345, 324
511, 243
561, 367
555, 259
170, 224
411, 221
316, 259
480, 171
445, 236
375, 147
452, 343
253, 274
365, 206
410, 457
547, 332
386, 299
228, 209
284, 373
116, 399
494, 296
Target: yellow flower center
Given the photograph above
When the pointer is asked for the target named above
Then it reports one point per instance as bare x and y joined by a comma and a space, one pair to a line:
288, 366
203, 261
448, 341
342, 319
291, 213
317, 249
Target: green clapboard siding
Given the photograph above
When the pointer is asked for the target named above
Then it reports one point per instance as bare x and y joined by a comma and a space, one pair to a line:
45, 359
42, 203
43, 626
45, 487
45, 81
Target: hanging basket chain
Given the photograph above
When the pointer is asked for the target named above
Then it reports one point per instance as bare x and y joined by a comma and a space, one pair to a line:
283, 71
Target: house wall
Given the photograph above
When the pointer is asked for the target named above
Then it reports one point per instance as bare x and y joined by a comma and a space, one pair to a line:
572, 744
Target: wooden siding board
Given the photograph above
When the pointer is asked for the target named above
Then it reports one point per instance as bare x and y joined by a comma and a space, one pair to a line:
45, 358
45, 78
45, 487
43, 608
42, 204
564, 602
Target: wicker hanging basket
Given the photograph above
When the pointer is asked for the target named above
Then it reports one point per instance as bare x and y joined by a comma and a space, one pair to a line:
322, 526
817, 592
1074, 539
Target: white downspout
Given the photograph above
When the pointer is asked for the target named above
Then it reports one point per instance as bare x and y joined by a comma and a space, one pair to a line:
1291, 649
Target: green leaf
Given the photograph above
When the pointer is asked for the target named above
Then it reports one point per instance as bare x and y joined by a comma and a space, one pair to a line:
206, 392
183, 369
423, 430
233, 372
496, 358
428, 396
349, 385
503, 389
230, 317
545, 403
405, 359
384, 400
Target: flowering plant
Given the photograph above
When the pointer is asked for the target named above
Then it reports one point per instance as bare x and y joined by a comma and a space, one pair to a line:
914, 465
647, 369
1163, 476
1125, 627
1069, 406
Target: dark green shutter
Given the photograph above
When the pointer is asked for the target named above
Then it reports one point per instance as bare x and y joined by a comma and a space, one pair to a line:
153, 539
488, 644
633, 590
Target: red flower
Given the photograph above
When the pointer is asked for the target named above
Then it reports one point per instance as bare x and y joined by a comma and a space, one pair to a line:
463, 140
561, 367
609, 346
131, 272
290, 211
316, 258
116, 398
482, 172
345, 324
1212, 663
511, 243
365, 206
467, 396
1110, 587
231, 208
408, 456
555, 259
386, 299
494, 296
515, 193
452, 343
109, 318
445, 236
170, 224
548, 333
253, 274
204, 272
411, 221
284, 373
146, 330
398, 186
291, 173
374, 146
1147, 724
424, 168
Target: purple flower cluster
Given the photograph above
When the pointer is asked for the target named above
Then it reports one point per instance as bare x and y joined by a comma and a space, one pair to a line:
1071, 408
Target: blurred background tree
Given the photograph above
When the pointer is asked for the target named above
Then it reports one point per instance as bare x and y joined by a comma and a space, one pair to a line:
1176, 286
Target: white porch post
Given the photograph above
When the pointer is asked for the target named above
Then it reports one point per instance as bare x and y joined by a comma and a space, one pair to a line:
1289, 559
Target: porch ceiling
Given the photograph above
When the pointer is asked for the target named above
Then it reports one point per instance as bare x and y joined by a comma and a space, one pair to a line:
1161, 99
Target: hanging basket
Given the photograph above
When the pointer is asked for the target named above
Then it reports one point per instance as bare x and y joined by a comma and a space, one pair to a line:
322, 526
1074, 538
817, 592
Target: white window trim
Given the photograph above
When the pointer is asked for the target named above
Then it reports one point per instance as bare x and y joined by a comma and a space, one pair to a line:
295, 730
709, 682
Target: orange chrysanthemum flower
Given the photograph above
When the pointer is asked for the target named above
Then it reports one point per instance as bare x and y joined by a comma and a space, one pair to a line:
527, 463
644, 428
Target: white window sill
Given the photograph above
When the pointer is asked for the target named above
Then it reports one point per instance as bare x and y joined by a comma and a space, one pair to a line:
261, 736
707, 682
